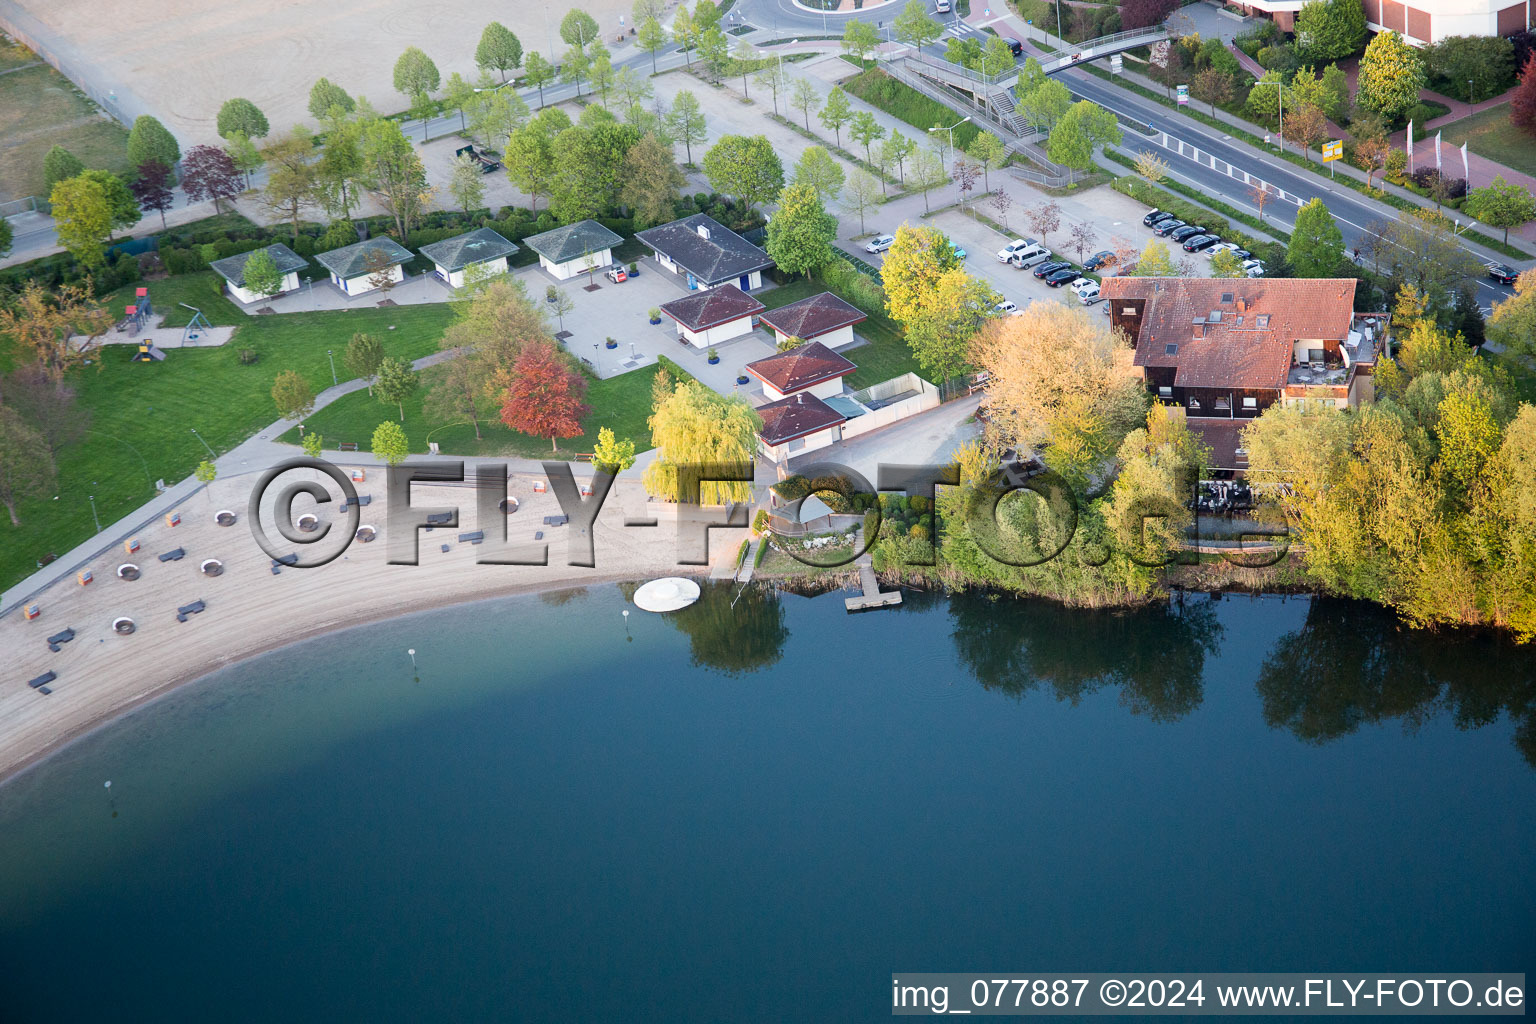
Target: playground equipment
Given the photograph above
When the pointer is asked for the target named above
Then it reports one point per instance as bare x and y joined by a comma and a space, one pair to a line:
147, 352
136, 316
195, 326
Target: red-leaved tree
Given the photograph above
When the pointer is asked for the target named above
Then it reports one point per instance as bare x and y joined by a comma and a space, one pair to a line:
152, 188
1142, 13
544, 397
1522, 105
207, 172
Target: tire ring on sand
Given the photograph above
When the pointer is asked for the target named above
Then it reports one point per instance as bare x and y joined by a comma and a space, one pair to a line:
365, 534
309, 522
509, 504
224, 517
122, 626
212, 567
128, 571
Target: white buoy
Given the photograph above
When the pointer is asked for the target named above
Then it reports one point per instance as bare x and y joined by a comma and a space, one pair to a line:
412, 652
667, 594
108, 784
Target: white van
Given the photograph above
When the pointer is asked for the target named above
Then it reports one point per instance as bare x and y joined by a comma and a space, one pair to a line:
1033, 255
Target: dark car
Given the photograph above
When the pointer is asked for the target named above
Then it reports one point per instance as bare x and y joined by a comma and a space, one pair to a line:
1046, 269
1099, 259
1187, 232
1061, 277
1502, 274
1242, 254
1015, 46
1154, 217
1199, 242
1162, 227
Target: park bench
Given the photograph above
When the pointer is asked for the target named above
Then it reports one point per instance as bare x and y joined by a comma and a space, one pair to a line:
347, 446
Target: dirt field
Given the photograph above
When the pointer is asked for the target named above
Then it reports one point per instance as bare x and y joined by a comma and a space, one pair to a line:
40, 108
186, 57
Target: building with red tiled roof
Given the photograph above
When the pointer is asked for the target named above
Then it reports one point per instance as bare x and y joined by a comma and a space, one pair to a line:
707, 318
800, 423
825, 318
812, 368
1233, 347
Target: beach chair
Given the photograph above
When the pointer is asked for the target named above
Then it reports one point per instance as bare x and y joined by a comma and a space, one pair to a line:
174, 556
43, 680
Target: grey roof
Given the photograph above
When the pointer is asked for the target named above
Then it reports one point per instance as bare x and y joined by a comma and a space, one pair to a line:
232, 268
352, 260
572, 241
475, 246
720, 257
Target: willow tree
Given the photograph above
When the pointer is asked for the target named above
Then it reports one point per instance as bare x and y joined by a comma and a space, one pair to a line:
694, 427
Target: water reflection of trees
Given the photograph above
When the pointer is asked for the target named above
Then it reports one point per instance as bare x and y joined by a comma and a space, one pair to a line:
1352, 664
733, 628
1155, 655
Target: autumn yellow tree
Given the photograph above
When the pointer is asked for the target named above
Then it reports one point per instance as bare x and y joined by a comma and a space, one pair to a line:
940, 306
693, 426
61, 330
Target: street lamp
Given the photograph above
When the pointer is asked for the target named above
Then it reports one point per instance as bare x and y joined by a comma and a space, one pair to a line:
951, 130
334, 381
94, 516
205, 443
1280, 105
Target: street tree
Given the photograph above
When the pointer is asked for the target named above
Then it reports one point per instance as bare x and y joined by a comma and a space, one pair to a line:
245, 156
927, 174
1306, 126
1213, 86
801, 233
1330, 29
964, 174
1422, 250
1260, 195
1154, 261
1500, 205
1317, 246
291, 178
1082, 129
929, 293
396, 382
600, 73
363, 356
578, 28
745, 167
836, 112
745, 56
590, 171
58, 330
1371, 157
243, 116
499, 49
914, 27
394, 173
633, 89
292, 395
467, 186
612, 453
457, 95
545, 397
1391, 75
860, 39
864, 192
652, 39
493, 115
27, 469
123, 207
538, 73
685, 32
150, 140
1042, 105
692, 425
1082, 239
866, 131
714, 50
261, 274
1001, 202
896, 150
817, 169
804, 98
1226, 264
1152, 168
574, 65
82, 217
560, 303
151, 188
530, 155
326, 98
416, 77
1044, 218
686, 121
60, 164
773, 77
651, 182
389, 443
988, 152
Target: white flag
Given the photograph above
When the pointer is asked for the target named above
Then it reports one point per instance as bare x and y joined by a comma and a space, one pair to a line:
1410, 145
1437, 151
1465, 172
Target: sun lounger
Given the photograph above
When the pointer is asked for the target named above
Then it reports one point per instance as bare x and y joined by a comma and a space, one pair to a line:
174, 556
292, 559
440, 519
445, 549
556, 520
45, 678
362, 499
472, 538
539, 535
276, 568
62, 638
43, 689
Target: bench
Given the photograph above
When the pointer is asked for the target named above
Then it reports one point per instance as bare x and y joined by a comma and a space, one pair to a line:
472, 538
174, 556
42, 680
362, 499
347, 446
585, 456
440, 519
63, 637
188, 610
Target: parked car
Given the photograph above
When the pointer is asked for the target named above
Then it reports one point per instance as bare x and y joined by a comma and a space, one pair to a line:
1155, 216
1015, 247
1087, 291
617, 275
1016, 47
1221, 247
1185, 233
941, 6
1099, 259
1253, 268
1005, 307
1047, 269
1242, 254
960, 253
1162, 227
1033, 256
880, 243
1196, 243
1502, 274
1061, 277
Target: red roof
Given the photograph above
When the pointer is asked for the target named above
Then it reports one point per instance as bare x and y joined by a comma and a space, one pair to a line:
796, 416
1238, 333
1224, 437
800, 367
700, 311
813, 316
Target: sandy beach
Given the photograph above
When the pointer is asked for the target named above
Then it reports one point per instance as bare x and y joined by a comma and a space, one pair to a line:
250, 610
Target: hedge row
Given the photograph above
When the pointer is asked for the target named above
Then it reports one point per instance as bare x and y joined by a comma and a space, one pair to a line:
1272, 253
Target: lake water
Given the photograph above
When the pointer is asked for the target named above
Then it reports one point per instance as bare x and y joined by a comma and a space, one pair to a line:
758, 812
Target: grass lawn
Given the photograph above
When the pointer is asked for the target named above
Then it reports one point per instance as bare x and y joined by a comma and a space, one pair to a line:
40, 108
142, 414
1489, 134
902, 101
886, 355
622, 403
204, 291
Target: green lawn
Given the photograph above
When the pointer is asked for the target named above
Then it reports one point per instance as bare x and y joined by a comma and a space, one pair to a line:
622, 403
142, 414
886, 355
1489, 134
40, 108
204, 291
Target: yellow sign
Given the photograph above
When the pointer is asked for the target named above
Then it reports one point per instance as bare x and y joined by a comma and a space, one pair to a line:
1333, 150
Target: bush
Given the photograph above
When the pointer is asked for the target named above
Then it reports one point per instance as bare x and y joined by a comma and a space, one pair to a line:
1422, 113
247, 356
760, 521
304, 245
878, 89
792, 488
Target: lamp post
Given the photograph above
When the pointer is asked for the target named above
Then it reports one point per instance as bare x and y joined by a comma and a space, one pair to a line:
1471, 96
332, 358
204, 443
951, 131
92, 499
1280, 106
